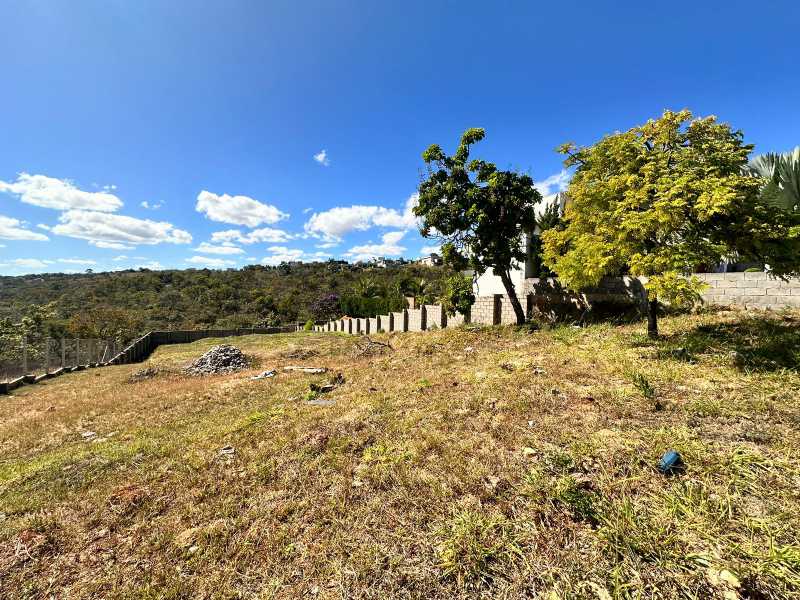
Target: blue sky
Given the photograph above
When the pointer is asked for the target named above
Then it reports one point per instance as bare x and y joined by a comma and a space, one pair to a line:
177, 134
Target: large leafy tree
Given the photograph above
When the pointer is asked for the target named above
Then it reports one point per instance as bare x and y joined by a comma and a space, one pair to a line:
659, 200
480, 212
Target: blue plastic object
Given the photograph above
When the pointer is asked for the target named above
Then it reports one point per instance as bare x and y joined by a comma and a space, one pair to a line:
671, 463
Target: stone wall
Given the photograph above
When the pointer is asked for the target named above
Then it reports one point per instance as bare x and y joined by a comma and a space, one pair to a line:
750, 290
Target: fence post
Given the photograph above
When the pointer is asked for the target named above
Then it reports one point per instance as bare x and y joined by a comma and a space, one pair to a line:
24, 355
63, 353
77, 351
47, 355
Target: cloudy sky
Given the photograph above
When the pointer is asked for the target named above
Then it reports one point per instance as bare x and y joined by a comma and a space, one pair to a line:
219, 134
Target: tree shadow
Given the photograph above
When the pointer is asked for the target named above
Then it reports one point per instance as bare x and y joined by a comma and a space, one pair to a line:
755, 342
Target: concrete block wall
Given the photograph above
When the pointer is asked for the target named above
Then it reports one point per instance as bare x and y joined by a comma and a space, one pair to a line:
435, 317
373, 324
486, 310
750, 290
386, 322
400, 321
416, 319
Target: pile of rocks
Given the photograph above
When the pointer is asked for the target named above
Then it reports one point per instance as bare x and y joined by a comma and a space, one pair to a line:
220, 359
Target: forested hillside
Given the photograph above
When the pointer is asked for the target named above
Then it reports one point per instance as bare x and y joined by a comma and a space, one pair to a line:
122, 303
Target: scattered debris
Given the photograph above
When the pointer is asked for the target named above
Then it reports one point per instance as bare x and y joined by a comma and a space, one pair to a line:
265, 374
227, 451
369, 347
671, 463
539, 371
88, 435
300, 353
312, 370
335, 382
507, 367
220, 359
144, 374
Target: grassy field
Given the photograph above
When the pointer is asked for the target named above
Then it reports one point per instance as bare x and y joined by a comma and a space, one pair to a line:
462, 463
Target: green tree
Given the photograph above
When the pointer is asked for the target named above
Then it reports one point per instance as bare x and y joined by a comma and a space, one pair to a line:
480, 213
458, 296
656, 201
550, 218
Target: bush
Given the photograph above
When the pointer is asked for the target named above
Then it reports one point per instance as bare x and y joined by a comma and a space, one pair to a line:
309, 326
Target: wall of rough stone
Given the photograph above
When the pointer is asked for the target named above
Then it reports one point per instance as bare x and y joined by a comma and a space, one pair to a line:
750, 290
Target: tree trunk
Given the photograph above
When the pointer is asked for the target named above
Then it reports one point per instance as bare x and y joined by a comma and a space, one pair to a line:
512, 295
652, 319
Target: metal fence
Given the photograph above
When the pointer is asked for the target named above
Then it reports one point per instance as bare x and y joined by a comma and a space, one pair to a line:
44, 355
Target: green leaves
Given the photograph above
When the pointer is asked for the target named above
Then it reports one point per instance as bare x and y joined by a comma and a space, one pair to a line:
659, 200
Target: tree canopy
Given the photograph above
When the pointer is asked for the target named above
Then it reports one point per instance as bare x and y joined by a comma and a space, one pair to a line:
481, 213
660, 200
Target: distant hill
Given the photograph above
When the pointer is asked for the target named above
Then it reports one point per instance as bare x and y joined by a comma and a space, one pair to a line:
253, 295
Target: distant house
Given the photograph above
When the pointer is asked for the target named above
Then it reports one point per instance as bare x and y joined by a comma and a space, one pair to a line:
433, 260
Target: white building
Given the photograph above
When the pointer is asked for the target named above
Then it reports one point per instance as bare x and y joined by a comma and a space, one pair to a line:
489, 283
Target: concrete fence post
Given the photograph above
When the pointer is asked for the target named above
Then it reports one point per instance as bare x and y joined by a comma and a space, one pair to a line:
404, 325
390, 328
497, 309
423, 318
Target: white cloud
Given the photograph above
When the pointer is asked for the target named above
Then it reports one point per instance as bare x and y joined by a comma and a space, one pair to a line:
238, 210
207, 261
111, 245
77, 261
268, 235
60, 194
154, 206
307, 210
207, 248
29, 263
428, 250
153, 265
332, 224
279, 254
555, 183
120, 258
43, 226
390, 246
327, 245
14, 229
322, 158
117, 231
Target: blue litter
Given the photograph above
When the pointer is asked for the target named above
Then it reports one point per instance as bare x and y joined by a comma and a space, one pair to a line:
671, 463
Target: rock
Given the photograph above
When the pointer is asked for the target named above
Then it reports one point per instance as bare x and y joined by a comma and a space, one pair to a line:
143, 374
227, 451
265, 374
312, 370
88, 435
220, 359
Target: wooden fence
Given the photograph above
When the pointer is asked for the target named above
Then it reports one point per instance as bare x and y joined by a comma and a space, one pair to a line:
142, 348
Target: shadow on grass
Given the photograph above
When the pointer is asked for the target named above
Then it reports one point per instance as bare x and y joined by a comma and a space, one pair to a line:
756, 343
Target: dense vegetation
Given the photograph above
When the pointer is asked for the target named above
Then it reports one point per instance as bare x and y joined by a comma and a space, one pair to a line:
121, 304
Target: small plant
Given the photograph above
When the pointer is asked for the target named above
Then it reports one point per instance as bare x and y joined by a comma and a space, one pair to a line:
309, 326
474, 547
647, 390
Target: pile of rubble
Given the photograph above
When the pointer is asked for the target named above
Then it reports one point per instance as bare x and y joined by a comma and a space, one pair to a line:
220, 359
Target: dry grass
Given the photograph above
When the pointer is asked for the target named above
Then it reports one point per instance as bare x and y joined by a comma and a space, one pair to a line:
491, 463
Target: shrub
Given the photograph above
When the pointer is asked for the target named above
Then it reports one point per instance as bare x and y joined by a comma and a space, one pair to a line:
309, 326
